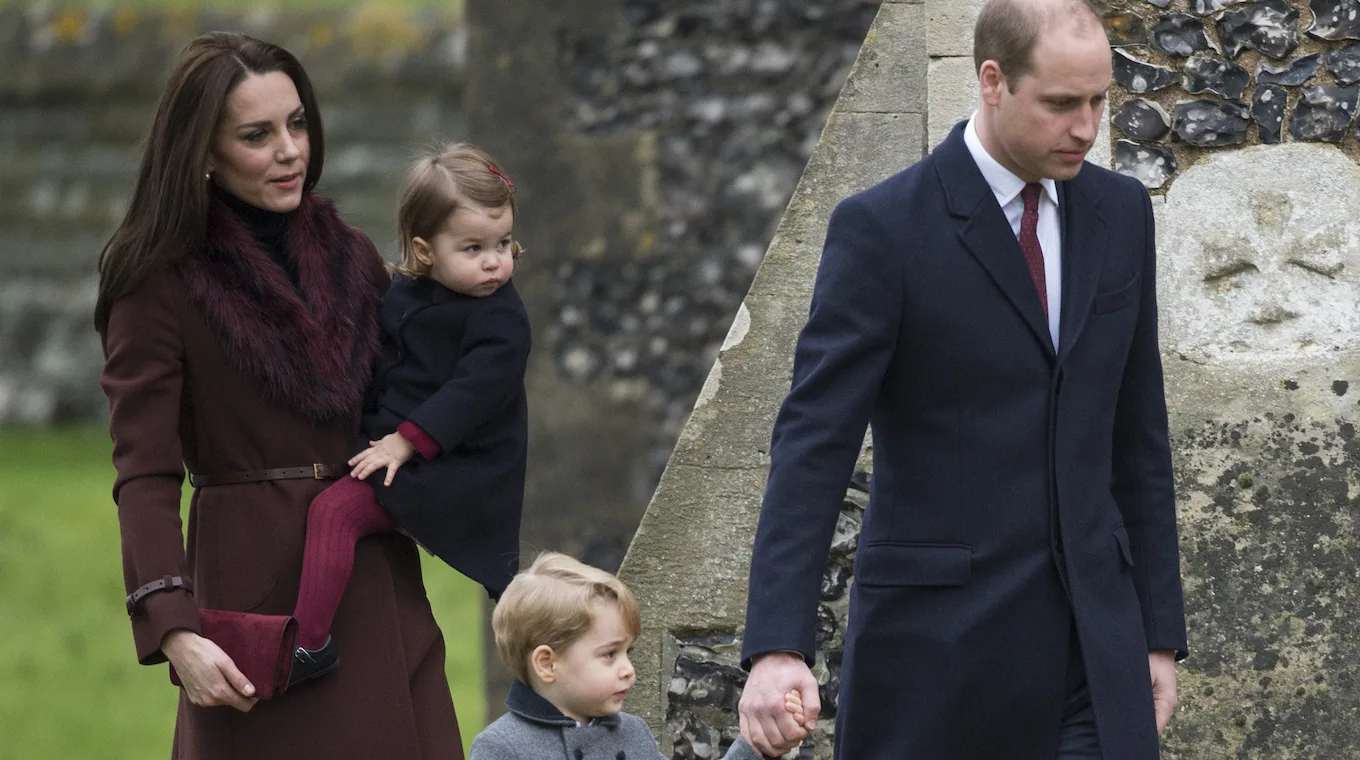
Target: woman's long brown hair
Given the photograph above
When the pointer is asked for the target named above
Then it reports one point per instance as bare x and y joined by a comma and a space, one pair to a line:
167, 216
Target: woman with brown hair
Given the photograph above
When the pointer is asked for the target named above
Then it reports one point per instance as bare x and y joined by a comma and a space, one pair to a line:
239, 321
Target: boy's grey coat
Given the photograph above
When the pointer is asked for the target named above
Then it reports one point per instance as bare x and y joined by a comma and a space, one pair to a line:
536, 730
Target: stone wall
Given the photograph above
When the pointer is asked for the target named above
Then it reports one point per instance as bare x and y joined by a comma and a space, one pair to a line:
689, 560
1215, 74
721, 104
76, 100
1258, 255
655, 145
1241, 117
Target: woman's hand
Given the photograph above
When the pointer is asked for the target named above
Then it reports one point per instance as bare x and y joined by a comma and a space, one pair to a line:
391, 452
208, 675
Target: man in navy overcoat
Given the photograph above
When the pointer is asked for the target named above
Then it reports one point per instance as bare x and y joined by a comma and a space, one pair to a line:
991, 313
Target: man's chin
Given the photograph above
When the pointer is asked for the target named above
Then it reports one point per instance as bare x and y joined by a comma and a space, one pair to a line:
1065, 171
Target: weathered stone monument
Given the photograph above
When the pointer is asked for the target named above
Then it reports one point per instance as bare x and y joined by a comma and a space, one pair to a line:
1239, 116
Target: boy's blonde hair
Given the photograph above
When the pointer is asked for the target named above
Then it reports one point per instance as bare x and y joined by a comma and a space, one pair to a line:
436, 184
549, 604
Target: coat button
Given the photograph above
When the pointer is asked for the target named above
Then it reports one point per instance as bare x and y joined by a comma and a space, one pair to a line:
580, 753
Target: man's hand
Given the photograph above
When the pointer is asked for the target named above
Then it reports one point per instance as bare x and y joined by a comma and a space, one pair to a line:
391, 452
208, 675
1163, 667
766, 721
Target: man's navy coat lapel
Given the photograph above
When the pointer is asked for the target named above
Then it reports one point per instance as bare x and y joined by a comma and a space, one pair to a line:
988, 237
1084, 241
986, 234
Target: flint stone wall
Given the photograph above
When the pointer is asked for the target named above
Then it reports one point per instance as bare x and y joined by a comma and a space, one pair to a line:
720, 104
655, 144
1257, 258
1205, 74
689, 560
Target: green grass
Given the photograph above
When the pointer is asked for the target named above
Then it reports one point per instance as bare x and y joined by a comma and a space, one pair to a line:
70, 685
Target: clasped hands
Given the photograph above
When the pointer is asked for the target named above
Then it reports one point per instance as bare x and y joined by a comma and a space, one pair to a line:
780, 703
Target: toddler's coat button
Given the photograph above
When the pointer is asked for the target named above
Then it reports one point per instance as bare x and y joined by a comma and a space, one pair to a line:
580, 753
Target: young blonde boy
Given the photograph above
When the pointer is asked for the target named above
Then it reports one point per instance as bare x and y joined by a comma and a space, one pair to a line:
565, 630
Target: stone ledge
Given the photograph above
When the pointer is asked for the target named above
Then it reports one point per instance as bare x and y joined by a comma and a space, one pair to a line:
953, 89
950, 27
892, 53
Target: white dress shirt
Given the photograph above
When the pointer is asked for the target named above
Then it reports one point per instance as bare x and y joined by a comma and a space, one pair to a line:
1006, 187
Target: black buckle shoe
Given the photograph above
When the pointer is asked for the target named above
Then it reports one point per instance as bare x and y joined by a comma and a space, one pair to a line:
313, 663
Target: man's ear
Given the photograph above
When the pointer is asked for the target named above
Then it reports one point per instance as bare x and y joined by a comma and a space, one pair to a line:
543, 663
991, 82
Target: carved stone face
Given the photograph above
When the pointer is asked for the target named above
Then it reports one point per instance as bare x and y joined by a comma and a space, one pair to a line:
1259, 255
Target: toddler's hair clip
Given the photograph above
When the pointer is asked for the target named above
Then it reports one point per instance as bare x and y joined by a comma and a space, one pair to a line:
501, 174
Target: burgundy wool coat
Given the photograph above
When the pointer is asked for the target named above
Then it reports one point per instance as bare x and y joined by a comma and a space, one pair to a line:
221, 365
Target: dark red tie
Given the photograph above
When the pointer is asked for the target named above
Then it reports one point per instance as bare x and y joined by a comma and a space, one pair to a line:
1029, 240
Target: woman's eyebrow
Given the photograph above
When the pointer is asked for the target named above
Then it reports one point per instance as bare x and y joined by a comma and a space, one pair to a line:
299, 111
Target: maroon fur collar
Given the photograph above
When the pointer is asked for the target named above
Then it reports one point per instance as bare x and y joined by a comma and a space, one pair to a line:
313, 347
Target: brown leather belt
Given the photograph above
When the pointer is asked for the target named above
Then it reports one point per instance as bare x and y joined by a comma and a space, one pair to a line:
311, 471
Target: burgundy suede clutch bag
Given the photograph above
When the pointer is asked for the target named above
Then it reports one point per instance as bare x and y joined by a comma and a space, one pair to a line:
260, 645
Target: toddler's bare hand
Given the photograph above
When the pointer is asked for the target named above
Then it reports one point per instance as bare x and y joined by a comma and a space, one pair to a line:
793, 702
391, 452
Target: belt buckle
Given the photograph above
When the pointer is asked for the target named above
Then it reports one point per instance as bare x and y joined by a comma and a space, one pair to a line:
316, 471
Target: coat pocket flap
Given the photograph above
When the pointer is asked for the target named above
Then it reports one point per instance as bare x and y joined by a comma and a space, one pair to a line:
1121, 537
914, 565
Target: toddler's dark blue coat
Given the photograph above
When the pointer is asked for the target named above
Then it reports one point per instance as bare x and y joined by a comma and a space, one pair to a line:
454, 365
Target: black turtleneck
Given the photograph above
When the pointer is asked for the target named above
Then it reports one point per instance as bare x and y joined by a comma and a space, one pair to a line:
269, 228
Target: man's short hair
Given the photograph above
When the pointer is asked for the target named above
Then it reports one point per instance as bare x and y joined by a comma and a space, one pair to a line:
1007, 31
550, 604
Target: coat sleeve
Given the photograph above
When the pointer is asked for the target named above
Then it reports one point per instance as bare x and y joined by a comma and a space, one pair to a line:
427, 447
1142, 482
843, 353
742, 750
493, 357
143, 378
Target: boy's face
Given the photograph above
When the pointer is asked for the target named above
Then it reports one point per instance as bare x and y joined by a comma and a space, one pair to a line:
594, 674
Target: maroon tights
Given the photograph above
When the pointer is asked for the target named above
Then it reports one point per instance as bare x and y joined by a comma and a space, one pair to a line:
340, 515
